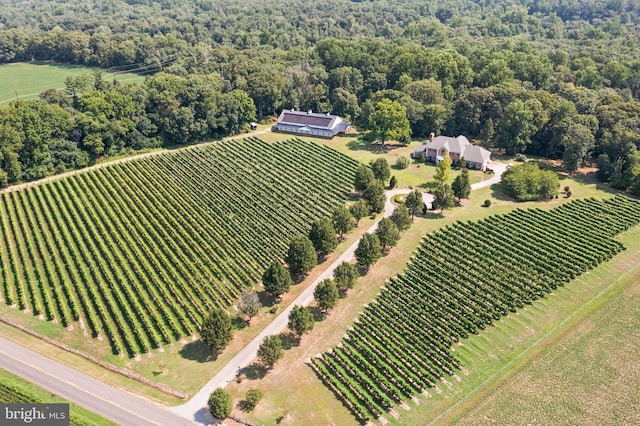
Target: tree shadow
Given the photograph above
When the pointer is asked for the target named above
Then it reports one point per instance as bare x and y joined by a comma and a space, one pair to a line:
267, 300
289, 340
197, 351
318, 314
253, 371
245, 406
238, 323
429, 186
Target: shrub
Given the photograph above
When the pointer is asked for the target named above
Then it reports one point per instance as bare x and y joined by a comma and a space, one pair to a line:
487, 203
402, 162
521, 157
568, 194
251, 399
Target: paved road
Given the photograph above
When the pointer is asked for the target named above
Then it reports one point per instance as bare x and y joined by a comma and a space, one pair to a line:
114, 404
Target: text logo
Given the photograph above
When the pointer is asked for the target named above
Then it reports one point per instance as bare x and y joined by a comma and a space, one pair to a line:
34, 414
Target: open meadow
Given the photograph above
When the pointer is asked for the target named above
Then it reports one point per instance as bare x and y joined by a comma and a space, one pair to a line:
27, 80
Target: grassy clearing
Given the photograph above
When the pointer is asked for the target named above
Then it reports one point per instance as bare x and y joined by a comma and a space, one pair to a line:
14, 389
29, 79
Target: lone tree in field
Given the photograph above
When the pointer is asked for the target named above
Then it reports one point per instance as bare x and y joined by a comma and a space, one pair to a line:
381, 170
220, 403
276, 279
364, 176
216, 330
414, 203
326, 294
302, 256
461, 185
443, 197
387, 233
393, 182
368, 251
374, 196
345, 276
270, 350
250, 305
342, 220
323, 236
401, 217
300, 320
359, 210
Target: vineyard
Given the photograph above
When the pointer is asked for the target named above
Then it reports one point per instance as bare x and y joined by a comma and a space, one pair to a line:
460, 280
141, 250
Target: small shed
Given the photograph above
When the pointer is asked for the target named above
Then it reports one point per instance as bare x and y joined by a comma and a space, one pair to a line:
253, 125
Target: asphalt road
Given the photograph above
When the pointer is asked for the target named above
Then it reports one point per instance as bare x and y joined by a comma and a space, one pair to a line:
112, 403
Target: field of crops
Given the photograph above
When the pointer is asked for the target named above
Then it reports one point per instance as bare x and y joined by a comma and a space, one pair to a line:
140, 251
461, 279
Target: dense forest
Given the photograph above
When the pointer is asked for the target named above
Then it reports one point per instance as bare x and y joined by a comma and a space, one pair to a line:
556, 78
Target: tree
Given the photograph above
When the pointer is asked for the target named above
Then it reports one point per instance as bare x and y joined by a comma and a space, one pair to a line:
250, 305
380, 168
402, 162
220, 403
251, 399
443, 172
323, 236
368, 251
342, 220
374, 196
414, 203
389, 121
443, 197
387, 233
528, 182
300, 320
359, 210
461, 185
270, 350
401, 217
577, 141
277, 279
345, 276
326, 294
364, 176
302, 256
516, 128
393, 182
216, 330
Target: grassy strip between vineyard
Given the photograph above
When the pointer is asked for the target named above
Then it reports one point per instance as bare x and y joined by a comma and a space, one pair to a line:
15, 390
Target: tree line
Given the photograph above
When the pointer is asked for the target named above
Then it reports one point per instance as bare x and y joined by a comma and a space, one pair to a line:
93, 117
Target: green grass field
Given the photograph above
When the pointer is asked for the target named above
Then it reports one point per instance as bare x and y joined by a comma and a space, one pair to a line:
30, 79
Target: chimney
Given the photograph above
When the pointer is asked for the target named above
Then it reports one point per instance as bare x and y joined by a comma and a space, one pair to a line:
431, 136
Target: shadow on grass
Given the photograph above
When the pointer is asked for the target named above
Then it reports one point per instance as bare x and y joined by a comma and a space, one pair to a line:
197, 351
289, 340
238, 323
267, 300
253, 371
318, 314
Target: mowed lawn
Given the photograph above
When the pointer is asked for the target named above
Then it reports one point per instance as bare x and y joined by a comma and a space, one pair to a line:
29, 79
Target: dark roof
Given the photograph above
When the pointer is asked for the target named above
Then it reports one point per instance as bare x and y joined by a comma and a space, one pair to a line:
310, 119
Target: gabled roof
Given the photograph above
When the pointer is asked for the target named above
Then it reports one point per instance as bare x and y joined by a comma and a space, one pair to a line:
457, 145
313, 120
476, 154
